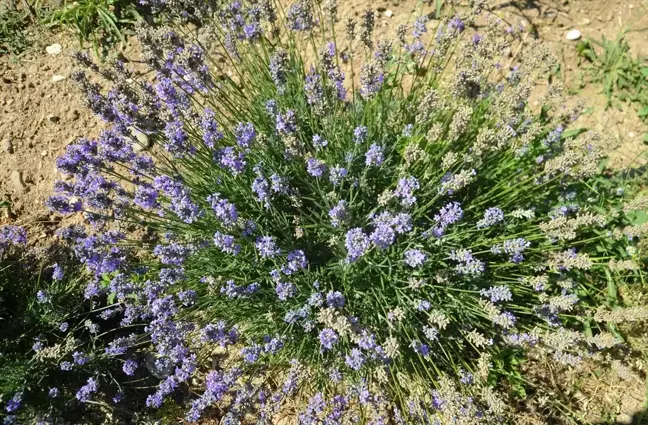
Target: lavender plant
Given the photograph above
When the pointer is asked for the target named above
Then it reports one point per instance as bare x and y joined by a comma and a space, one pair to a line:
346, 246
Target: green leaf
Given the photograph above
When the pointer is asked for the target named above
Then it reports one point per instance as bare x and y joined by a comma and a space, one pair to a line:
573, 133
644, 112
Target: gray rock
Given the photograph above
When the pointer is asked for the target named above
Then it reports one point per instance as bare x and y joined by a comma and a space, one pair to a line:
53, 118
17, 180
7, 146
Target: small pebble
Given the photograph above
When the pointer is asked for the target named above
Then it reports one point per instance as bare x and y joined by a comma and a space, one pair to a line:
54, 49
624, 418
18, 182
7, 146
586, 21
53, 118
44, 153
573, 35
57, 78
631, 134
389, 13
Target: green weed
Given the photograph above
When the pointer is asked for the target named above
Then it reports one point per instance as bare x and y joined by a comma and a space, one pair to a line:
624, 77
103, 23
13, 35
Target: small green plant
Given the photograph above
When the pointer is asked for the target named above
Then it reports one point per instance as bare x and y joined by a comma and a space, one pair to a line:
624, 77
100, 22
13, 36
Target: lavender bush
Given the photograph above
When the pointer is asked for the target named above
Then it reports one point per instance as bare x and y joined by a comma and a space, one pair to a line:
345, 245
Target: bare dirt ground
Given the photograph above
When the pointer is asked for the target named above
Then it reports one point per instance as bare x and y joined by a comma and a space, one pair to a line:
41, 112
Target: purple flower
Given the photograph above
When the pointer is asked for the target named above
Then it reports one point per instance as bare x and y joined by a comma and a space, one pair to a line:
66, 366
286, 123
296, 261
423, 305
260, 187
359, 135
63, 327
513, 247
57, 272
337, 174
420, 348
300, 16
267, 246
315, 167
278, 69
14, 402
492, 216
174, 254
335, 299
232, 160
245, 134
86, 391
12, 235
357, 243
319, 142
226, 243
285, 290
405, 190
177, 140
338, 213
497, 293
225, 211
402, 223
449, 214
374, 155
80, 358
383, 236
456, 24
42, 297
355, 359
420, 26
129, 367
414, 257
209, 126
53, 392
328, 338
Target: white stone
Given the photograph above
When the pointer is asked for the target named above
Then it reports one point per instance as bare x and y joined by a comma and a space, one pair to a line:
57, 78
143, 142
573, 35
631, 134
389, 13
54, 49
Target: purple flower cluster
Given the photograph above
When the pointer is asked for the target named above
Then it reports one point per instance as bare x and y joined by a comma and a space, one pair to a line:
497, 293
492, 216
338, 213
405, 190
224, 210
449, 214
513, 247
267, 246
374, 156
415, 257
245, 134
181, 203
226, 243
357, 244
211, 132
232, 290
315, 168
